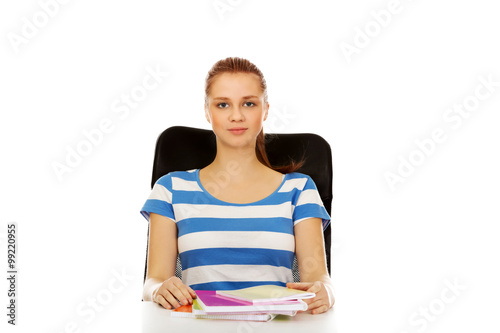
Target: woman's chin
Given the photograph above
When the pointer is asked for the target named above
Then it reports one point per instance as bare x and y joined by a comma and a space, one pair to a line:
240, 143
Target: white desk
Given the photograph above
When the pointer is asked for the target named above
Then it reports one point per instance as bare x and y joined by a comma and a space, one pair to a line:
157, 319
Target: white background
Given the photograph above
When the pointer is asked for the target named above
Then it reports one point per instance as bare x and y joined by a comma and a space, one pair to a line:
393, 250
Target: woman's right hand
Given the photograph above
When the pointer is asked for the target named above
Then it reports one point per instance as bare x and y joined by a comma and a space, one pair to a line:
173, 291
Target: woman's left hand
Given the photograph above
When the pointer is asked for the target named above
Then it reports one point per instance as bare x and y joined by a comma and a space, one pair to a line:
321, 302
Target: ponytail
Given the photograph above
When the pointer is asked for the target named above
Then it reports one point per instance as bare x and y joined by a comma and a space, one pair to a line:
260, 151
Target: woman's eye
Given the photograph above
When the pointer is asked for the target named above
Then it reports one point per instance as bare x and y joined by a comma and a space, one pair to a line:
252, 103
222, 105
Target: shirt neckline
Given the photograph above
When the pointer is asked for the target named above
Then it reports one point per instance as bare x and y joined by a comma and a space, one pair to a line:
283, 179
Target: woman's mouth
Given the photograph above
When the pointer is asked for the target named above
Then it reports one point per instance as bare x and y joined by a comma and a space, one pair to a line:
238, 130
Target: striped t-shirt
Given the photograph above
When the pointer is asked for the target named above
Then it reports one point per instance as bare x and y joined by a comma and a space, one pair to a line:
225, 246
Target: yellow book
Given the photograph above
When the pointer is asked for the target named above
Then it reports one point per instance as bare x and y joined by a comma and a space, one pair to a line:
266, 293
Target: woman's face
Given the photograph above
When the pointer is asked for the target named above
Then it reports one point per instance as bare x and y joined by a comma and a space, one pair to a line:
236, 108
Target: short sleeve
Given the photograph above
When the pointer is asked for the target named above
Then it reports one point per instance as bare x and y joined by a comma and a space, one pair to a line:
309, 205
160, 199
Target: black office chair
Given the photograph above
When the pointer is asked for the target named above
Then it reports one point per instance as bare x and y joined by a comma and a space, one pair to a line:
181, 148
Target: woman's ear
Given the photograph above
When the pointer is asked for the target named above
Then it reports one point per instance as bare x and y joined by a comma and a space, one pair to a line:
266, 112
207, 114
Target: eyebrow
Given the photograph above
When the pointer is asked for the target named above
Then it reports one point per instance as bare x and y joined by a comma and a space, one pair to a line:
244, 97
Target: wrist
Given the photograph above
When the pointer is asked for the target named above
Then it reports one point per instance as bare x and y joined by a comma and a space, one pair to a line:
151, 288
329, 291
154, 292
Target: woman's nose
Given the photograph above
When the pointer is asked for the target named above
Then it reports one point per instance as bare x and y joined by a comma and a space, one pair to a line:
236, 114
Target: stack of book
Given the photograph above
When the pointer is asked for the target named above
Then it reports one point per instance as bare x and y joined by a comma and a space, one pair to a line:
261, 303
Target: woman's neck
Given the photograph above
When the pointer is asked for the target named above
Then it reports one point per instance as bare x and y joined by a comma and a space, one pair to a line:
239, 165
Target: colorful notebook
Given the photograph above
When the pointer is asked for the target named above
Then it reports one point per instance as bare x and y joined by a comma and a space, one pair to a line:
188, 311
266, 293
213, 303
197, 309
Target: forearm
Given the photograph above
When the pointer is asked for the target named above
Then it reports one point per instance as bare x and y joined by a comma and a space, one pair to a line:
314, 272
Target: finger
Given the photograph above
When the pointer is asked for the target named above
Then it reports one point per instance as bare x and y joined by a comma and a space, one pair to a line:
316, 304
192, 292
299, 285
319, 310
170, 292
178, 293
309, 300
171, 299
315, 288
184, 297
161, 300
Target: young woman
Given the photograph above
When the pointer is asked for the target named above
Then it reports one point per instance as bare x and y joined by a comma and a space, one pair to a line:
237, 222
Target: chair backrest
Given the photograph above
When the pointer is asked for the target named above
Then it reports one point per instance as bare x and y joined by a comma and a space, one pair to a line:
181, 148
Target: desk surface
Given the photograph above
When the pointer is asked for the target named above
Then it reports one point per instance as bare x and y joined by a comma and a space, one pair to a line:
157, 319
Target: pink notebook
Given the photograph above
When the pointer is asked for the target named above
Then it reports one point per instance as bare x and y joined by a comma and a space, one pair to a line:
213, 303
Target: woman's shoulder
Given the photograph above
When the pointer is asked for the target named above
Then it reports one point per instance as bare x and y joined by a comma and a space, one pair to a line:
294, 181
298, 176
186, 175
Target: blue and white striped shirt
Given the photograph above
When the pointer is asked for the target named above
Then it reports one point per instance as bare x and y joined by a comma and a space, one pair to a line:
225, 246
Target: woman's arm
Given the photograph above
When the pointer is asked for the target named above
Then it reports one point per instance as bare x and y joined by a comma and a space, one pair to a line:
161, 285
311, 259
